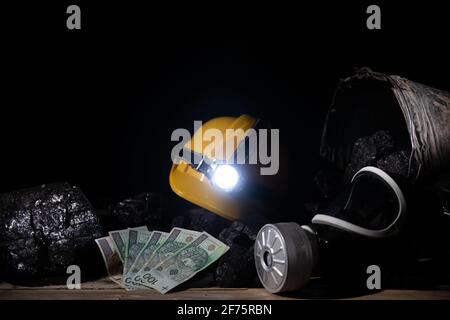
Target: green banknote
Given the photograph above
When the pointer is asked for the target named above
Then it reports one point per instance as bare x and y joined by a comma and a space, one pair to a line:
120, 240
136, 241
177, 239
156, 239
157, 260
184, 264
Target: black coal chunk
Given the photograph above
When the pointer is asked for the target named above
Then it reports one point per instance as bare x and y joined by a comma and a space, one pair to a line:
233, 233
45, 229
367, 150
397, 163
145, 208
179, 222
204, 220
237, 267
200, 219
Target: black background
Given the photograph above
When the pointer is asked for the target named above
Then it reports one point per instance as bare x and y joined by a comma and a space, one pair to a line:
96, 106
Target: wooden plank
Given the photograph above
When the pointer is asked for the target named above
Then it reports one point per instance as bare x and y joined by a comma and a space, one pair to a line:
107, 294
104, 289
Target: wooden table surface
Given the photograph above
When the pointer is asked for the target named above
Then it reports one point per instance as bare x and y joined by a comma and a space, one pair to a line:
104, 289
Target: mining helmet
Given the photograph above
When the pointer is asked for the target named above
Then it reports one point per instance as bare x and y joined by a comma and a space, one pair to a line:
208, 173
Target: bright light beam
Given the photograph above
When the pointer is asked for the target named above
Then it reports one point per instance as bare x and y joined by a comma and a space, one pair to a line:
225, 177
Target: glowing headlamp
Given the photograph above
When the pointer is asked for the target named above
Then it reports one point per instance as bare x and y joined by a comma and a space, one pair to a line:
225, 177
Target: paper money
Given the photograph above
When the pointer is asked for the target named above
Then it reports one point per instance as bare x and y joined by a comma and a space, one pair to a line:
138, 259
120, 240
152, 244
177, 239
184, 264
111, 258
156, 239
136, 241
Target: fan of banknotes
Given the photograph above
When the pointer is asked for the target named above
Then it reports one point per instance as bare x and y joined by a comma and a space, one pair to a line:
136, 258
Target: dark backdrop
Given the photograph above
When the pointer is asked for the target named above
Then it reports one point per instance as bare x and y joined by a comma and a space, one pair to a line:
96, 107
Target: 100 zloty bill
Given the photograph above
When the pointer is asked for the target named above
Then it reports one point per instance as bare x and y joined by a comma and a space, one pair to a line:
184, 264
120, 240
156, 239
177, 239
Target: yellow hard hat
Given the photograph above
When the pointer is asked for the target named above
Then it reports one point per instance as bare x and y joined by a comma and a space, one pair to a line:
197, 183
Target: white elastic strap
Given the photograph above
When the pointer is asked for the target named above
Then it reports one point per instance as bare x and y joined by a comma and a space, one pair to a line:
307, 228
350, 227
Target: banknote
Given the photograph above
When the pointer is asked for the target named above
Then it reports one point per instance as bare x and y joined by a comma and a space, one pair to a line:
136, 241
177, 239
156, 239
112, 261
184, 264
136, 258
120, 240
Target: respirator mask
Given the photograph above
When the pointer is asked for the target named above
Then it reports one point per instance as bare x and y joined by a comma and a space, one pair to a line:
286, 253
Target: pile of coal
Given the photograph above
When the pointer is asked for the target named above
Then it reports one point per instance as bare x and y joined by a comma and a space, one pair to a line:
397, 163
237, 267
180, 221
45, 229
200, 219
367, 150
204, 220
145, 208
379, 150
